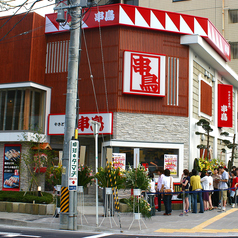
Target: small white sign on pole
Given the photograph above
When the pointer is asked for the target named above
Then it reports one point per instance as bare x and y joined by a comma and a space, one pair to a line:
73, 176
136, 157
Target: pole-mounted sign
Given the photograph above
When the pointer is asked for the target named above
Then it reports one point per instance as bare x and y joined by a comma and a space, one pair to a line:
73, 171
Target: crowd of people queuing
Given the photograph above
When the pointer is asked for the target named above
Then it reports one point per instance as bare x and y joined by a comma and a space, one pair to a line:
211, 187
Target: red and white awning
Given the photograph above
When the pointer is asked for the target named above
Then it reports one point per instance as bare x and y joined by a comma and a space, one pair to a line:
123, 14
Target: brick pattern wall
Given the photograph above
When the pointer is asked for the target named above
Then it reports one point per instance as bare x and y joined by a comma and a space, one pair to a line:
152, 128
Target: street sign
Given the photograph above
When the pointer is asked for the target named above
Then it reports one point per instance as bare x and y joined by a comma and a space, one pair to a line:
73, 171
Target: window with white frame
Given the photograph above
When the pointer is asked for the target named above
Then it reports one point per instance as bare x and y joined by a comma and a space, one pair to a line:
22, 109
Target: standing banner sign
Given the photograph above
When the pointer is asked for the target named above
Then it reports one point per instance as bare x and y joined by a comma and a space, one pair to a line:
11, 162
119, 160
225, 108
73, 176
170, 162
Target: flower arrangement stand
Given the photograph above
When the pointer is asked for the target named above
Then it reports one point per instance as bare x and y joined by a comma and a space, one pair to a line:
81, 204
108, 207
137, 215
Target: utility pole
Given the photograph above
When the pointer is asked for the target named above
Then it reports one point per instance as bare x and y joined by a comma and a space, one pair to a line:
68, 220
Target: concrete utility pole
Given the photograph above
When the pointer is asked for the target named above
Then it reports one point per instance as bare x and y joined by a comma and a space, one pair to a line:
68, 220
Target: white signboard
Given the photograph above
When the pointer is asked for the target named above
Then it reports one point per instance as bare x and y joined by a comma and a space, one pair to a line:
171, 163
73, 171
119, 160
144, 74
56, 123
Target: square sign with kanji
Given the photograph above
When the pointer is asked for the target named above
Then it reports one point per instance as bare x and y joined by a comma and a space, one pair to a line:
144, 74
73, 171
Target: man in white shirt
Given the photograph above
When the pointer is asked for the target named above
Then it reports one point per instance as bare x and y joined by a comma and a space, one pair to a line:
223, 185
159, 185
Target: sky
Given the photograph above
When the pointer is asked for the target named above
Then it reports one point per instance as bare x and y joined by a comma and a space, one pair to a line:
15, 3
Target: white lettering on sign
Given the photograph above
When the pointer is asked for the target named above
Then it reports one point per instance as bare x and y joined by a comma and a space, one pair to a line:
224, 114
107, 16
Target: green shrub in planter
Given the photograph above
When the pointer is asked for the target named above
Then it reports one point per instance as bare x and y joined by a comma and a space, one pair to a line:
12, 196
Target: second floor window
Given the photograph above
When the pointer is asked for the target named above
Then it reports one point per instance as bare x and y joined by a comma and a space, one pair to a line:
22, 109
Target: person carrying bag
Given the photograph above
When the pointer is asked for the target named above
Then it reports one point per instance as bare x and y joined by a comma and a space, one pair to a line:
167, 189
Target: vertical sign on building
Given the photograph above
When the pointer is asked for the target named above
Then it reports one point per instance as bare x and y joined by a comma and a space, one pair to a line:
73, 176
11, 162
225, 108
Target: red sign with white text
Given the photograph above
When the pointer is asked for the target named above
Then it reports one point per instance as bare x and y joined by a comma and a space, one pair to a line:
144, 74
225, 109
124, 14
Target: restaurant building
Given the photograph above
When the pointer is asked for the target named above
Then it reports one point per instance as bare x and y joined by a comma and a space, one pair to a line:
146, 75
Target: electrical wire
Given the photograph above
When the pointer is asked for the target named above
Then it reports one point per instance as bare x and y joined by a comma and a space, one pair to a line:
90, 71
14, 14
20, 20
25, 33
27, 10
103, 64
103, 67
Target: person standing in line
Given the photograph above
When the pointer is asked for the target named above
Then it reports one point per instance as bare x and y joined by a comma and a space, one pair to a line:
215, 195
211, 188
185, 181
223, 185
167, 183
151, 190
205, 186
233, 168
234, 183
159, 185
195, 182
190, 197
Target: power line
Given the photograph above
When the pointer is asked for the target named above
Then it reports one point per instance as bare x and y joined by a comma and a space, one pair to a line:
90, 71
20, 20
14, 14
28, 10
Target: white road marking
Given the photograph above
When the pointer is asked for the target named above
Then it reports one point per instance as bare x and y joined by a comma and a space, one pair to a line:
98, 236
9, 234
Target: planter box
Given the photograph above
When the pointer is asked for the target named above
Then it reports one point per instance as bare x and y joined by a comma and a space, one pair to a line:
123, 207
29, 208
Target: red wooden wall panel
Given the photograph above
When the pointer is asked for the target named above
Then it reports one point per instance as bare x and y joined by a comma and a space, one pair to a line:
206, 98
135, 39
23, 49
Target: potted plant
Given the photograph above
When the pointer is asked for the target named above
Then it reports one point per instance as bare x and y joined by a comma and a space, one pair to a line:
53, 176
139, 207
111, 179
85, 177
137, 178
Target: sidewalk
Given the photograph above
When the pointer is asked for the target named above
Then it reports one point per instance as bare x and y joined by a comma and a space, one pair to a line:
210, 223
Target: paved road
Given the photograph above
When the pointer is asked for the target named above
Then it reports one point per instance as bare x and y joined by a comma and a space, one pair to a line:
41, 233
209, 224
